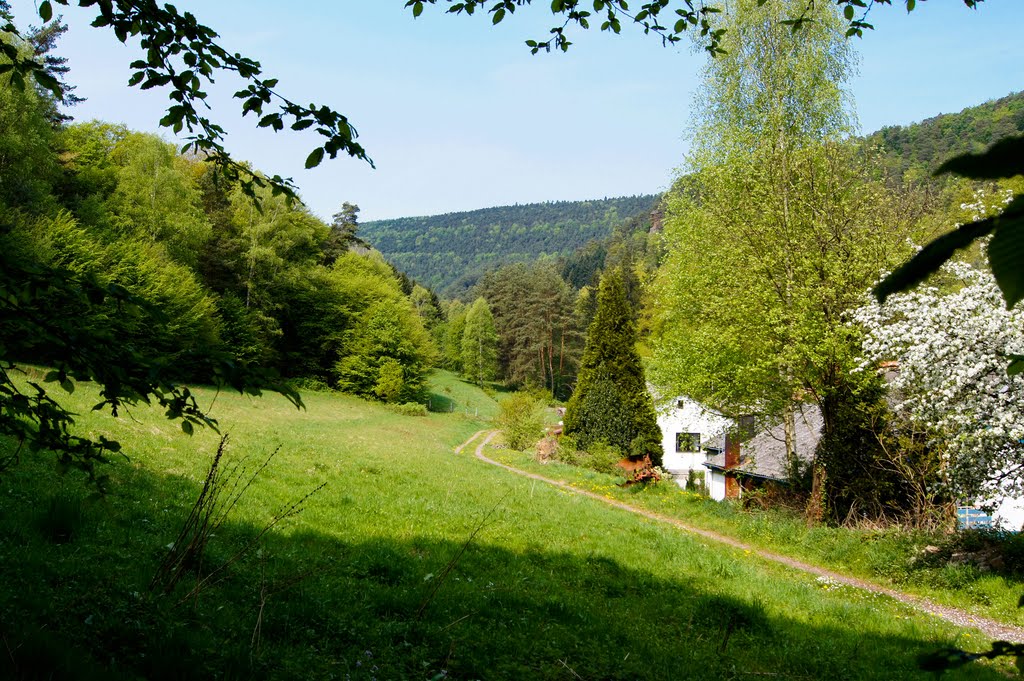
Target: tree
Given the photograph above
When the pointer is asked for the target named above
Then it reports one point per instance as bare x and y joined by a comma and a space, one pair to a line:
455, 326
533, 313
951, 340
777, 231
342, 236
386, 355
156, 197
480, 344
611, 403
44, 41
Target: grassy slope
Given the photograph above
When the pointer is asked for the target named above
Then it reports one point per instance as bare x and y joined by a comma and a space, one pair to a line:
891, 558
552, 585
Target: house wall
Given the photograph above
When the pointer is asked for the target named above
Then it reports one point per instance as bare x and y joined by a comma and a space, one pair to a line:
1009, 514
691, 417
716, 486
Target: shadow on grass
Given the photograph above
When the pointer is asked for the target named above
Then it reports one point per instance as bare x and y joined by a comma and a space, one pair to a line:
386, 609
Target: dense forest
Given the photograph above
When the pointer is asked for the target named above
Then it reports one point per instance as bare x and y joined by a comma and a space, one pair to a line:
926, 144
183, 270
450, 252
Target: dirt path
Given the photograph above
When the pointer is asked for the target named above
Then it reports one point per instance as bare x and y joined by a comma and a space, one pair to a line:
989, 627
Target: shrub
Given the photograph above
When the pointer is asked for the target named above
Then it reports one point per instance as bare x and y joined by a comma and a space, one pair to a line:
409, 409
519, 417
695, 483
604, 457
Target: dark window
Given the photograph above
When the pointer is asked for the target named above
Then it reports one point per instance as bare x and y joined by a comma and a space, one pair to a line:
687, 442
681, 404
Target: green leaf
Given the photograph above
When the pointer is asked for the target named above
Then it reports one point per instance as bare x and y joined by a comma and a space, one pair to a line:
931, 257
314, 159
1003, 159
45, 11
1006, 257
498, 16
48, 82
187, 427
1016, 367
848, 12
911, 4
417, 9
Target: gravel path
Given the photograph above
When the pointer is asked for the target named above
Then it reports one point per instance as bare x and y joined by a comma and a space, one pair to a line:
991, 628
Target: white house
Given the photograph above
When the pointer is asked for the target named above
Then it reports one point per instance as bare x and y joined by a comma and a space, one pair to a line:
693, 438
687, 428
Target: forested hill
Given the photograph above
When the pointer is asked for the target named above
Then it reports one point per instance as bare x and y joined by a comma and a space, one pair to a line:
929, 143
448, 252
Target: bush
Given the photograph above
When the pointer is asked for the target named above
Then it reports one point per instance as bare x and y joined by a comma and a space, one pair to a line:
519, 417
409, 409
695, 483
309, 383
604, 457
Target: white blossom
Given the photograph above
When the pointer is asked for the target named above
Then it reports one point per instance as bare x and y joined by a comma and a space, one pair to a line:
952, 347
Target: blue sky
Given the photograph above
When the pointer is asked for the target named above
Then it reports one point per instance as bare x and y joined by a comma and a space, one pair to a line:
458, 115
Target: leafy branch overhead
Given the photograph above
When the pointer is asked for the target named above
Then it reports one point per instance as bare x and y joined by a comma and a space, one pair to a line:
669, 19
1003, 160
77, 351
183, 55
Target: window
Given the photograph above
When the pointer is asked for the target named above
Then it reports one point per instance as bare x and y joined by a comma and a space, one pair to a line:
687, 442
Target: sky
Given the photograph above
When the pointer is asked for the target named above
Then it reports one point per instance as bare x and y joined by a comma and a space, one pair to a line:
457, 114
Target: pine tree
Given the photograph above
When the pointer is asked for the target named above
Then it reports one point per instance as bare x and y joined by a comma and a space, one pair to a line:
480, 344
611, 403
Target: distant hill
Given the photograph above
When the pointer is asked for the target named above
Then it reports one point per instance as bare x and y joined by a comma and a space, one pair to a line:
449, 252
927, 144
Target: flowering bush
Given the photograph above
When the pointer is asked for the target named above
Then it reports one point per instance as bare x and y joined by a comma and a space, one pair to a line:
952, 345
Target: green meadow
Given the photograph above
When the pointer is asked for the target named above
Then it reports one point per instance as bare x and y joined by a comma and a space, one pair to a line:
411, 562
912, 561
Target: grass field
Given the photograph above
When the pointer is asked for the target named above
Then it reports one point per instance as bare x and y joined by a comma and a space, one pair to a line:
890, 557
412, 563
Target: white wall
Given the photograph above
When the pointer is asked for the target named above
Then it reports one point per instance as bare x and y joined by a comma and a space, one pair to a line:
691, 417
716, 488
1009, 514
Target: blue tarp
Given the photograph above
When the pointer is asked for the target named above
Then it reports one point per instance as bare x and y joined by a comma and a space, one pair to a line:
972, 518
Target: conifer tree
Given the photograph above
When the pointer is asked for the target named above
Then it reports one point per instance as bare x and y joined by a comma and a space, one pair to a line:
611, 403
480, 344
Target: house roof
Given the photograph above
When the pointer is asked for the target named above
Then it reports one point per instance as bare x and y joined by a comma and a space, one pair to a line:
764, 455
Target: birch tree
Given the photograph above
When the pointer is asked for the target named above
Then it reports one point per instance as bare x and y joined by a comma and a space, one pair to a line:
778, 228
480, 343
